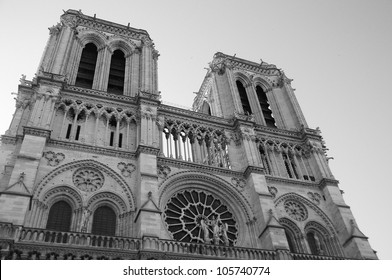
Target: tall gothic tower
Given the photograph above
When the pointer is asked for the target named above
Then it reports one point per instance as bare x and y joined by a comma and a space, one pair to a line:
95, 166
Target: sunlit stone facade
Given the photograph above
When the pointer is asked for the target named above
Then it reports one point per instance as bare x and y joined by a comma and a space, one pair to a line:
95, 166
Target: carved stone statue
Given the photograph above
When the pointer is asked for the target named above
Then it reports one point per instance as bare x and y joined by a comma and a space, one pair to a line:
223, 231
85, 218
215, 230
206, 233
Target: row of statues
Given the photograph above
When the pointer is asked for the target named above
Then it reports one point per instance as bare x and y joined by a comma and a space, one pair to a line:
218, 229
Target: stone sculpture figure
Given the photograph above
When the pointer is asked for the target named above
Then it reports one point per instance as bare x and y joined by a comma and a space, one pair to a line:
85, 219
223, 231
204, 228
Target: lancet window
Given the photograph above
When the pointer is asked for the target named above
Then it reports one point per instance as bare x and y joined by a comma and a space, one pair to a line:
196, 144
117, 73
244, 98
85, 76
265, 107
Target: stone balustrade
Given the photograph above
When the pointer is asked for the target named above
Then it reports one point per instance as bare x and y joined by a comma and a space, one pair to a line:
18, 235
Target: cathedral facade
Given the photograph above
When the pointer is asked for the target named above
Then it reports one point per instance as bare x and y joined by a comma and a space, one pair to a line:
95, 166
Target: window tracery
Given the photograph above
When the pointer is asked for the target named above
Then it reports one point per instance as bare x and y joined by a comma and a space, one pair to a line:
296, 210
88, 179
195, 143
285, 159
196, 216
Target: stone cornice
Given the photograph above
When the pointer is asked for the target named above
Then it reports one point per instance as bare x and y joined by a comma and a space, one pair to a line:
74, 146
147, 150
272, 179
261, 68
50, 79
328, 181
268, 131
6, 139
194, 117
36, 131
107, 26
99, 94
253, 169
198, 167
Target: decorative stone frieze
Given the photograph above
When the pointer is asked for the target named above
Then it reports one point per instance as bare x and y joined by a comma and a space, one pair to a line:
37, 131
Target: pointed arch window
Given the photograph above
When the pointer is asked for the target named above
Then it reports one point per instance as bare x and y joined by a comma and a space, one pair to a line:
104, 221
117, 73
265, 160
60, 216
265, 107
88, 61
244, 98
290, 165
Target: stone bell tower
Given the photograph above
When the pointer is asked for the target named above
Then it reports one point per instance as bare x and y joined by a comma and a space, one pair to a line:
271, 133
85, 62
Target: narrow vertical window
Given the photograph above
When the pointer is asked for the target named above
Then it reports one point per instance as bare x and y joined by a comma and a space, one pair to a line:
120, 137
60, 216
117, 73
264, 159
77, 133
265, 107
287, 164
68, 131
244, 98
88, 61
111, 138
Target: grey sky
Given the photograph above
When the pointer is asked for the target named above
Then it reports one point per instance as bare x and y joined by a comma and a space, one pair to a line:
337, 52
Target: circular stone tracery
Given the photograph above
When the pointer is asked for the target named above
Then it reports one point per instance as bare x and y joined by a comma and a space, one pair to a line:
88, 179
188, 212
296, 210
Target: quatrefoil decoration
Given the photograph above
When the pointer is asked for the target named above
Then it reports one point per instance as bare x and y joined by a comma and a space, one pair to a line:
126, 168
53, 158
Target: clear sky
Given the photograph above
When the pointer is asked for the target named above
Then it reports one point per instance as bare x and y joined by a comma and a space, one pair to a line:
339, 54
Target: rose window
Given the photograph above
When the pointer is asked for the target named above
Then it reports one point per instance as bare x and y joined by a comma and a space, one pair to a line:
88, 179
296, 210
195, 216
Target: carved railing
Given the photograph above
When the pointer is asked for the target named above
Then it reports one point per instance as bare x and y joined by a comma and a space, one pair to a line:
212, 251
297, 256
79, 239
11, 234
